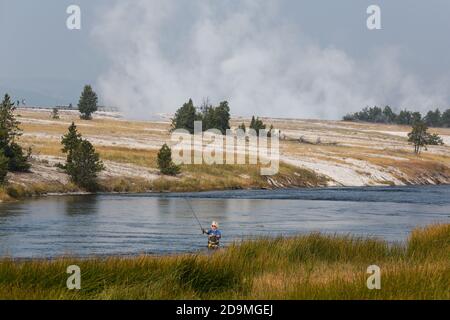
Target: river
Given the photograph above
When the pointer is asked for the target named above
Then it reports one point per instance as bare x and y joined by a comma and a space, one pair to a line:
115, 224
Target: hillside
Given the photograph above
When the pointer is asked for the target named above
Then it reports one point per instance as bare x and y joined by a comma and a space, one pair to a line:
312, 152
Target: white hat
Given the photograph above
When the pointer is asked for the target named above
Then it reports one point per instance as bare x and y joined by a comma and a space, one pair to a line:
214, 223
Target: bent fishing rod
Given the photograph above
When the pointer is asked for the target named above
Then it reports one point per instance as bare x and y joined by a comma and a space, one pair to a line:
193, 212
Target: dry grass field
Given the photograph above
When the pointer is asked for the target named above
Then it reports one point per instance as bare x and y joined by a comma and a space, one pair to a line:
312, 153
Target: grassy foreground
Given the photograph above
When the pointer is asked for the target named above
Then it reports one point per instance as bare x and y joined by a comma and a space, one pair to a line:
306, 267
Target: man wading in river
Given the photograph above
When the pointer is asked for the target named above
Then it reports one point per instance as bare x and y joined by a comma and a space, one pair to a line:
214, 235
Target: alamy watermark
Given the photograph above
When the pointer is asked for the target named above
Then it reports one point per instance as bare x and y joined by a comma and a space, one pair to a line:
74, 280
374, 20
235, 147
374, 280
73, 22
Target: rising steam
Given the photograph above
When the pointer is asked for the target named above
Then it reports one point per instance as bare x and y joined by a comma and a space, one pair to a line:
164, 52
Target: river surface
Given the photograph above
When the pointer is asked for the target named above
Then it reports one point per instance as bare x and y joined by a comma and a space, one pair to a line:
112, 224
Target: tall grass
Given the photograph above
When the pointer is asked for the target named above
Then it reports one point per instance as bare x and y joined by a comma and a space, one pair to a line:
313, 266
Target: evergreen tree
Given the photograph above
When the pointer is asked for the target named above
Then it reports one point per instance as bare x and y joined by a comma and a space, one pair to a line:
3, 139
87, 104
55, 113
420, 137
18, 161
84, 166
435, 140
222, 115
252, 122
9, 126
70, 142
389, 115
184, 117
269, 133
445, 119
9, 130
208, 117
376, 114
216, 117
416, 117
433, 118
165, 164
257, 124
211, 117
349, 117
4, 163
404, 117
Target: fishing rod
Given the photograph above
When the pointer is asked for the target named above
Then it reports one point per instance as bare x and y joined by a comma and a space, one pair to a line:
193, 212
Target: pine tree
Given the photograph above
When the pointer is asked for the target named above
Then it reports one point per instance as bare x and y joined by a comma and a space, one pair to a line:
87, 104
435, 140
184, 117
18, 161
70, 142
4, 162
433, 118
257, 124
9, 130
404, 117
389, 115
416, 117
84, 166
222, 115
208, 117
446, 118
9, 126
211, 117
55, 113
420, 137
252, 122
165, 164
269, 133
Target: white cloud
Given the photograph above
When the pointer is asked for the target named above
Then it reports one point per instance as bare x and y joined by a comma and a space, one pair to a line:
165, 52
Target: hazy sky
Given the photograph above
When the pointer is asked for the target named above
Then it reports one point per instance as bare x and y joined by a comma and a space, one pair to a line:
275, 58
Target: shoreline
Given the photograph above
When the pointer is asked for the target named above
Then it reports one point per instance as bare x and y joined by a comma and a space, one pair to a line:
194, 191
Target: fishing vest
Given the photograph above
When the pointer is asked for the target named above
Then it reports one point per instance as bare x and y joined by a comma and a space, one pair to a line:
213, 242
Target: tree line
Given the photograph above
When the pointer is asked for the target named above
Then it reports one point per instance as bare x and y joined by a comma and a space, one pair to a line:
433, 118
212, 117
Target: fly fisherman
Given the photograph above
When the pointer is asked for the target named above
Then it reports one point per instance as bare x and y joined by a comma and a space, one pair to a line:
214, 235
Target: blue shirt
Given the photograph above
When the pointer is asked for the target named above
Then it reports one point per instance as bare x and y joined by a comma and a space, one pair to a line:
216, 233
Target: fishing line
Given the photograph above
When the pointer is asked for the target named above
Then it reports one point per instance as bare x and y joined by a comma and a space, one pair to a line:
193, 212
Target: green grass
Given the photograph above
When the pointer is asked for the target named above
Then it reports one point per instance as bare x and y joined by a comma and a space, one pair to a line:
226, 177
18, 191
313, 266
